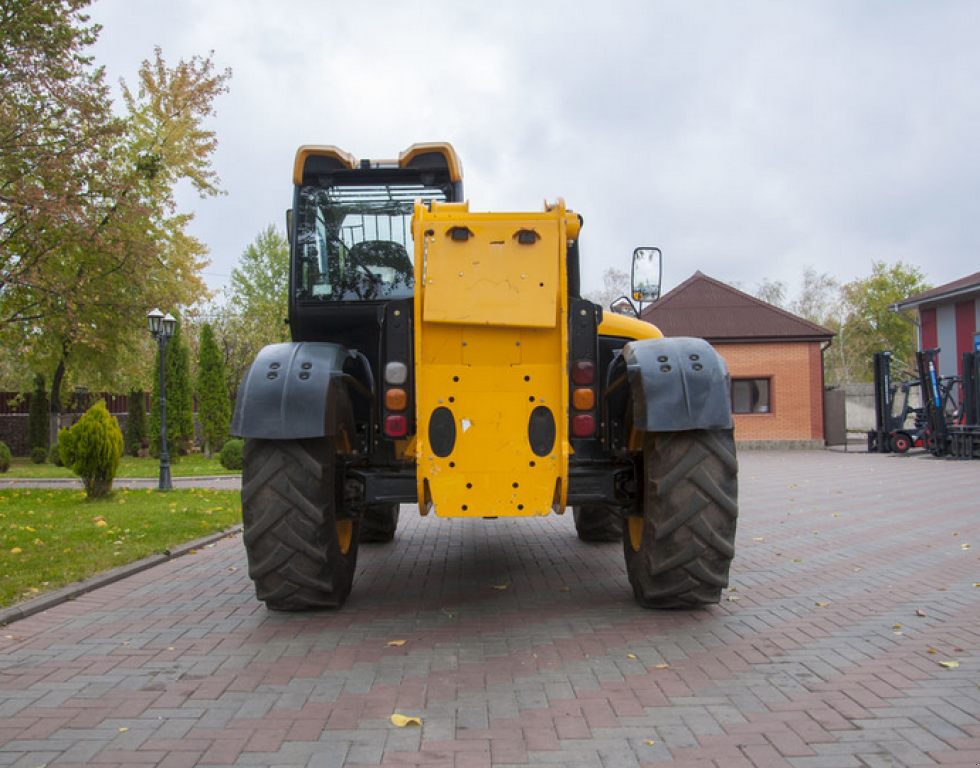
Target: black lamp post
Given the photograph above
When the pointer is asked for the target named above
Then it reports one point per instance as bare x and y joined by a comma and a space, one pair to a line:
162, 328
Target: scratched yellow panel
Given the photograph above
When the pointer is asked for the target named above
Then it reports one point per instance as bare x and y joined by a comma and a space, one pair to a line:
491, 363
490, 278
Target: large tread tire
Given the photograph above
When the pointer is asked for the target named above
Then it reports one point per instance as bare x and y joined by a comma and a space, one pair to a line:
301, 553
379, 523
598, 522
679, 553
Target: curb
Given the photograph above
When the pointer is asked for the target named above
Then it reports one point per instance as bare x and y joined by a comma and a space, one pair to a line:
52, 599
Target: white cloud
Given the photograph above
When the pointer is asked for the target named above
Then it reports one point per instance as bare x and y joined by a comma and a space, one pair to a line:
747, 140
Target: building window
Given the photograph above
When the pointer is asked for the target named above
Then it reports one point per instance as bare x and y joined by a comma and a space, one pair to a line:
750, 396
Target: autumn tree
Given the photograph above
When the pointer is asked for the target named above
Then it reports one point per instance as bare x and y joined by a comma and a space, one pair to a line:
772, 292
870, 322
90, 235
213, 405
615, 285
254, 312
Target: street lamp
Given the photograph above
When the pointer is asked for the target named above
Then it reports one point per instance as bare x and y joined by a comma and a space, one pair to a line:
162, 328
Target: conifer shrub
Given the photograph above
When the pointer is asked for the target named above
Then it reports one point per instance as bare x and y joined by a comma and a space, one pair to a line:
37, 421
213, 406
137, 432
39, 455
54, 457
92, 449
231, 454
5, 457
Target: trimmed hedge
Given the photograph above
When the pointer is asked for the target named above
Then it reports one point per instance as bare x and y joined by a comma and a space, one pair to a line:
231, 455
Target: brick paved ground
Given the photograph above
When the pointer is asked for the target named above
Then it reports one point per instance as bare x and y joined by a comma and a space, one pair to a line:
851, 570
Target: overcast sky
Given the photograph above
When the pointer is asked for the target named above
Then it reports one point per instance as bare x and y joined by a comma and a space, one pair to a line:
745, 139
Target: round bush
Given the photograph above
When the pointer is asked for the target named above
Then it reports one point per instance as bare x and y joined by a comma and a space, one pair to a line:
231, 455
39, 455
54, 457
5, 457
93, 448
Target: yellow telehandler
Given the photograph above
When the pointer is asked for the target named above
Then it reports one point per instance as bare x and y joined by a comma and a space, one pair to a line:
445, 358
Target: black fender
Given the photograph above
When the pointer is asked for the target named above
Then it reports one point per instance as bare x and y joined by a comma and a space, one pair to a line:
674, 384
296, 390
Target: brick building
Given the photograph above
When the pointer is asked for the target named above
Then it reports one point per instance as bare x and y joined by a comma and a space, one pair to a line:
774, 357
949, 319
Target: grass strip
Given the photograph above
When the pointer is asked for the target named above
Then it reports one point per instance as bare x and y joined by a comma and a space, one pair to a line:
192, 465
52, 538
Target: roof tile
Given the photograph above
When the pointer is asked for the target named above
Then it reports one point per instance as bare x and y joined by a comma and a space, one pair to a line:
709, 309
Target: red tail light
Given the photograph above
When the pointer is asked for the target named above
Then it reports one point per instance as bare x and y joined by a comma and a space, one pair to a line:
396, 426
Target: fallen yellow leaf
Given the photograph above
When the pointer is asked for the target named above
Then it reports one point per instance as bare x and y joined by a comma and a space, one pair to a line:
630, 655
920, 613
821, 605
932, 650
396, 643
949, 664
661, 666
499, 586
401, 721
651, 742
101, 523
123, 730
15, 551
896, 626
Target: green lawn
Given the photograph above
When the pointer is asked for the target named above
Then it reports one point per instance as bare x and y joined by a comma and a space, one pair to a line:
51, 538
192, 465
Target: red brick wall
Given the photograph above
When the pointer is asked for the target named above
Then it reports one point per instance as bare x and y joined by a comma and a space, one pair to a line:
795, 389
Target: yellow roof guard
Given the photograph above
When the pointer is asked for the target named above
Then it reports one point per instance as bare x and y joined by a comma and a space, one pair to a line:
315, 159
312, 158
438, 154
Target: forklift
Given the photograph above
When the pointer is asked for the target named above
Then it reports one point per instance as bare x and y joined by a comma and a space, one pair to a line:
893, 406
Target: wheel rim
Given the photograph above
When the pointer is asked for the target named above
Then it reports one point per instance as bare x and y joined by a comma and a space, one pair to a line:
345, 534
635, 530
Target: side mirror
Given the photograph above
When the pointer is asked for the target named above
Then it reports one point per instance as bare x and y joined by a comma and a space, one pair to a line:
647, 274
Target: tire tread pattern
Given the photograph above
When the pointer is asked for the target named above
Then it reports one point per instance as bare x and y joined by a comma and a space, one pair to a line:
379, 523
690, 512
289, 513
598, 523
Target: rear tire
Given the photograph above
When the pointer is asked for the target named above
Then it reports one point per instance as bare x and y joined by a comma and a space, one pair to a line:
596, 522
301, 553
379, 523
678, 555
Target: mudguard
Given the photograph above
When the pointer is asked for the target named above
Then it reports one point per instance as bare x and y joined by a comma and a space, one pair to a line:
676, 384
294, 391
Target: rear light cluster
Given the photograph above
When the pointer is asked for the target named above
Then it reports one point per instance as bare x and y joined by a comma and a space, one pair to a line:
583, 398
396, 400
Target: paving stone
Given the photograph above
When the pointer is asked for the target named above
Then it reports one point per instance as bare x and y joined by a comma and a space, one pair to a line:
196, 671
